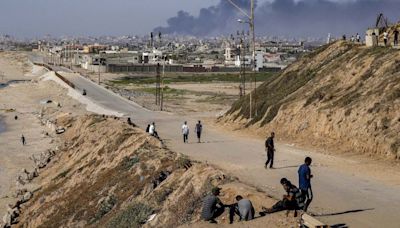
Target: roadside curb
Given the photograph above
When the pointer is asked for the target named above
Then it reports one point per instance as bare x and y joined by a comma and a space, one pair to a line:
57, 74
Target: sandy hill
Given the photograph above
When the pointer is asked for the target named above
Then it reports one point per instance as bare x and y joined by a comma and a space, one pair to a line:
342, 96
111, 174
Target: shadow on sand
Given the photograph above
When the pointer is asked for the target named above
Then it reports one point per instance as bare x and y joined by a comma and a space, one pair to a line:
340, 225
287, 167
343, 212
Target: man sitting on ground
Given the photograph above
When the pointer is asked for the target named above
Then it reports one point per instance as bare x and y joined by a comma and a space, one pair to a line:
293, 200
152, 130
244, 208
212, 206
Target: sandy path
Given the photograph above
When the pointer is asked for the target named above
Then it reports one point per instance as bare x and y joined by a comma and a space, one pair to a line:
343, 194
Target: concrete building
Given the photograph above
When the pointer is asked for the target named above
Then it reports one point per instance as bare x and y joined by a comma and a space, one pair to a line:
371, 37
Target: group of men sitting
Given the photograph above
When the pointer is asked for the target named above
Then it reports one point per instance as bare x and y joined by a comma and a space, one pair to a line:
213, 207
294, 199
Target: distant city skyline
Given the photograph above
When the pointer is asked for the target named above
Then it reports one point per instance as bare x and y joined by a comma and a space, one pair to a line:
38, 18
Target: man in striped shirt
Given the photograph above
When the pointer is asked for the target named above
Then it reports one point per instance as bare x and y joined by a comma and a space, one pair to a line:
212, 206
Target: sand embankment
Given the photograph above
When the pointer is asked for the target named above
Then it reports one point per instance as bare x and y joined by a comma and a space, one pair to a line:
25, 100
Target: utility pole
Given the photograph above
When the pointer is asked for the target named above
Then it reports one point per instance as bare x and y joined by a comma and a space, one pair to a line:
158, 80
251, 23
242, 59
162, 84
99, 65
252, 5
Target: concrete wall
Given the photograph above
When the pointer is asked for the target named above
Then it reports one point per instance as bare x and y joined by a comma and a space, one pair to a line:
95, 68
372, 40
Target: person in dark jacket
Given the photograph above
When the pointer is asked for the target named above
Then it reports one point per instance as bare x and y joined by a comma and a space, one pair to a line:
270, 149
23, 140
396, 37
293, 200
198, 129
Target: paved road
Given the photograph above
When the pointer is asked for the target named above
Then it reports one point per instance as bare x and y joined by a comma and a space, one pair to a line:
340, 197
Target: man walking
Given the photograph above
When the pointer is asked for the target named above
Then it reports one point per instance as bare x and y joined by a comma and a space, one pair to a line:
270, 148
305, 182
198, 129
185, 132
23, 140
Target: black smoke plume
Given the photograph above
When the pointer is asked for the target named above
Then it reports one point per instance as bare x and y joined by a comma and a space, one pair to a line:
212, 20
304, 18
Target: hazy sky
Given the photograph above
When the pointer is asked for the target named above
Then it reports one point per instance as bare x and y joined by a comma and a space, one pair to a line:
30, 18
36, 18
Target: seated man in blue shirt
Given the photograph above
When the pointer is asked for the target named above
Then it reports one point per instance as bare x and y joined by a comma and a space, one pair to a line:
305, 182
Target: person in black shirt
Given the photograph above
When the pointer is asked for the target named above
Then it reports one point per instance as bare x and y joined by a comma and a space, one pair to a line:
198, 129
270, 148
396, 37
293, 200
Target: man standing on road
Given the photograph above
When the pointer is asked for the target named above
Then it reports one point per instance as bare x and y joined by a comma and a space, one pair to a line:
305, 182
270, 148
23, 140
198, 129
185, 132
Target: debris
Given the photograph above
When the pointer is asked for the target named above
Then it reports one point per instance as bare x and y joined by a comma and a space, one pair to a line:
45, 101
151, 217
60, 130
161, 177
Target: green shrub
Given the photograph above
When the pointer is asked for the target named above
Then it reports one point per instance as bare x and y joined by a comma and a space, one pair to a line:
105, 206
62, 174
128, 162
184, 162
134, 216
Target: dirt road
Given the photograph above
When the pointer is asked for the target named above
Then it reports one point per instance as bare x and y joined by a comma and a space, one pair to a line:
343, 195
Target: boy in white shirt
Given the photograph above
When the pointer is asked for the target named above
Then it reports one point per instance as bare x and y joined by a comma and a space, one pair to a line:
185, 132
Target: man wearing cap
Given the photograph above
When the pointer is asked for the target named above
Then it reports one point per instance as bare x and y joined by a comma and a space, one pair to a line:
212, 206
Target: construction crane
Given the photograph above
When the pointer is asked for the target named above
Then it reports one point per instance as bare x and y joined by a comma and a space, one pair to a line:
381, 22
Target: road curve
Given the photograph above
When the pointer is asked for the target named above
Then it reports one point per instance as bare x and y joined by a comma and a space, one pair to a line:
340, 197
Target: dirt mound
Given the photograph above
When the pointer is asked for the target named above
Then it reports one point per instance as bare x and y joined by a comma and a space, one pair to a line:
343, 96
110, 174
